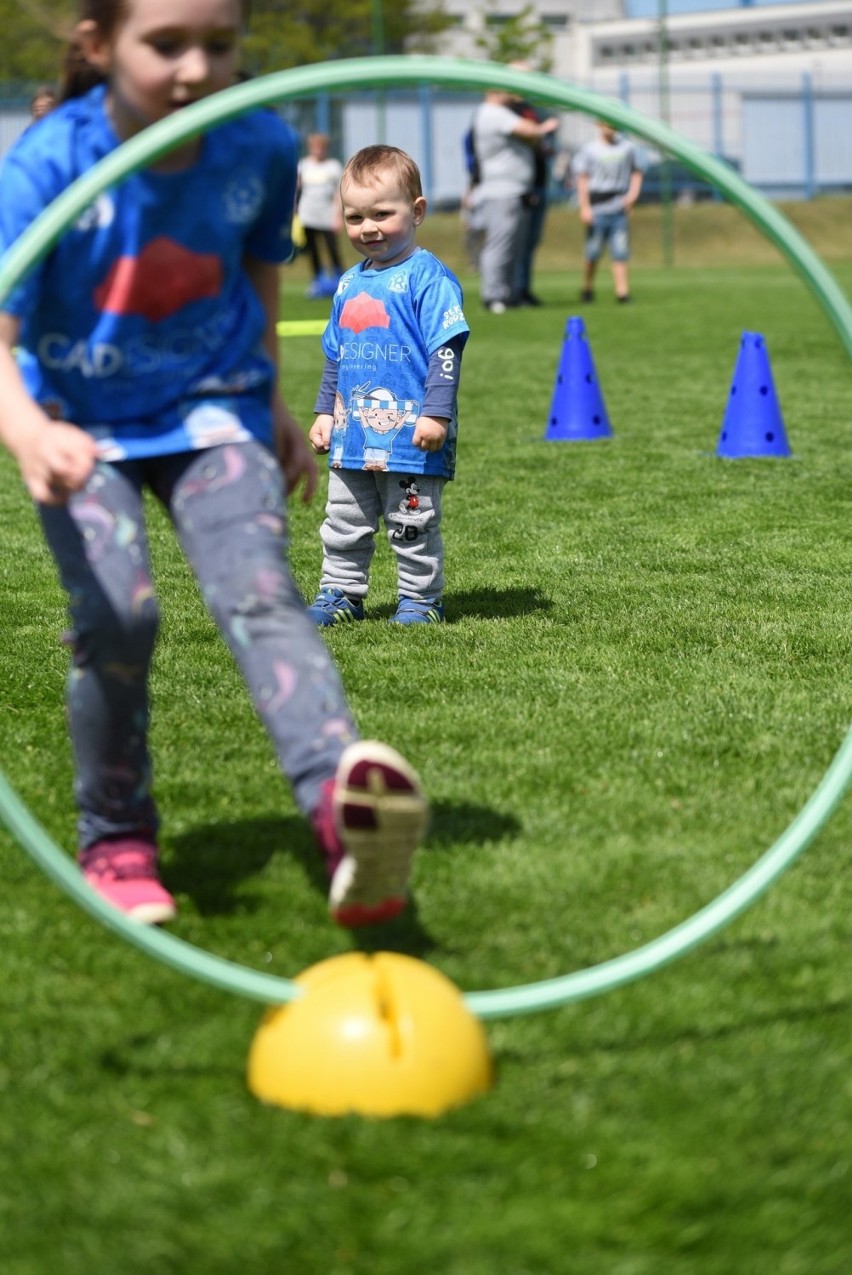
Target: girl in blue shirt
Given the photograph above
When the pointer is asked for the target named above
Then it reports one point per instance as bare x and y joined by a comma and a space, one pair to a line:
148, 358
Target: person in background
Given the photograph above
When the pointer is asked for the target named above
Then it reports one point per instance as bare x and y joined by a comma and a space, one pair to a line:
608, 173
42, 101
543, 152
318, 209
503, 142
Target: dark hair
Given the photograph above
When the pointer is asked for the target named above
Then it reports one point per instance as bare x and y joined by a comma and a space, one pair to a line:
77, 73
374, 162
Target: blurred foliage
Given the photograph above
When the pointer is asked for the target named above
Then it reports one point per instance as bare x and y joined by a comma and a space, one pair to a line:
519, 38
34, 35
281, 34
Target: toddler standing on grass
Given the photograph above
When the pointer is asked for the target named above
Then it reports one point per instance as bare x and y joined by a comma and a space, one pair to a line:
387, 405
148, 358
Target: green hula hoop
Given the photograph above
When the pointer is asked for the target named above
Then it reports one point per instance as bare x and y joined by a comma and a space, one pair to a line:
369, 73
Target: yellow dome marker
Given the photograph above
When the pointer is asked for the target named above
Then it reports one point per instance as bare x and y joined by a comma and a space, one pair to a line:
380, 1035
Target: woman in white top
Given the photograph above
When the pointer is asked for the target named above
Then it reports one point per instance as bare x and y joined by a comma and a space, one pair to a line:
318, 208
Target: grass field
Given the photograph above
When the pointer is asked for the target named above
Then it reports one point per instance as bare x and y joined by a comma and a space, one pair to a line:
644, 675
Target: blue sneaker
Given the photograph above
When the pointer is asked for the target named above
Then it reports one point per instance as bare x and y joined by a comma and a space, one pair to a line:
419, 611
331, 606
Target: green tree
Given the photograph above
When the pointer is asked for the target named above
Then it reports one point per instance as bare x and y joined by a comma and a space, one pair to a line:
282, 33
519, 38
34, 36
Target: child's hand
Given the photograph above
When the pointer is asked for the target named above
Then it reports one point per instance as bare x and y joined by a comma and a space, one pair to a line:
429, 433
320, 433
55, 461
294, 455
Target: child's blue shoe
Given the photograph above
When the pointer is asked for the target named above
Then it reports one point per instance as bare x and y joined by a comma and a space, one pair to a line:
419, 611
331, 606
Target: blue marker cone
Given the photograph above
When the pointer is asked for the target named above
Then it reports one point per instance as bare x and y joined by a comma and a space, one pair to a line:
753, 425
577, 411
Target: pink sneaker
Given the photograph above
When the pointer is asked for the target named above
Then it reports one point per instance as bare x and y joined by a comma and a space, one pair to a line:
371, 818
124, 872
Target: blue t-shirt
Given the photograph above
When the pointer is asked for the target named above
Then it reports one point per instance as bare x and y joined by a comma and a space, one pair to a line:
385, 326
141, 325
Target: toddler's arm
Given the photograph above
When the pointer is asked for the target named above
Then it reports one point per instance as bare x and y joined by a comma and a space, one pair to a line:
439, 396
320, 432
55, 458
429, 433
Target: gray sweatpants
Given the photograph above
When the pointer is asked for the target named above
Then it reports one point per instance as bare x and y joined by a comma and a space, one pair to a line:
506, 223
411, 508
229, 510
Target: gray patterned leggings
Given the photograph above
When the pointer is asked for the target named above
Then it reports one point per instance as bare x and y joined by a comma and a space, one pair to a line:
228, 508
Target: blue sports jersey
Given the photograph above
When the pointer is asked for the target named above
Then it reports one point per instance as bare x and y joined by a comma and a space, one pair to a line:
385, 325
141, 325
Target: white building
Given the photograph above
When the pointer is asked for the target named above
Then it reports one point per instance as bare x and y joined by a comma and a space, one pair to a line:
593, 42
770, 88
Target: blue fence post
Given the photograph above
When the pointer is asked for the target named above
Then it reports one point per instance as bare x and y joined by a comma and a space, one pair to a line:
808, 133
426, 96
323, 113
624, 87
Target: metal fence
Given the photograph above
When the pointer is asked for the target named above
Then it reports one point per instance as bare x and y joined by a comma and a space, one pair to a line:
790, 136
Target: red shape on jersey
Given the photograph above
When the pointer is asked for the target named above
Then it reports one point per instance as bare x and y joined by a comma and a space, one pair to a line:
363, 312
160, 281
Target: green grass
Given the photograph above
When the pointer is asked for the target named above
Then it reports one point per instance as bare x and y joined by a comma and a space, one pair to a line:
645, 673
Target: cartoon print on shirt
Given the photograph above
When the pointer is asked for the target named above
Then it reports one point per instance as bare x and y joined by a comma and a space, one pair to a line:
382, 417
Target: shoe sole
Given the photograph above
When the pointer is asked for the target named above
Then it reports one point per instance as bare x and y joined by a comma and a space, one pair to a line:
152, 913
327, 619
155, 912
431, 618
380, 812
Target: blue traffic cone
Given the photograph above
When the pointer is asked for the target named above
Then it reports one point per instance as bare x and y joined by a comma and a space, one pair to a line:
577, 410
753, 425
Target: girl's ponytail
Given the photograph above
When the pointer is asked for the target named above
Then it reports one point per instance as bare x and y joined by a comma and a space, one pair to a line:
77, 75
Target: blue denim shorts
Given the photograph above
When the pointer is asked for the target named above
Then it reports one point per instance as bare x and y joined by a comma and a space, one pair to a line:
609, 229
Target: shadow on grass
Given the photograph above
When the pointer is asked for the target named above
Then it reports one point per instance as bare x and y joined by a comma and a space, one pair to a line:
209, 863
740, 1025
486, 604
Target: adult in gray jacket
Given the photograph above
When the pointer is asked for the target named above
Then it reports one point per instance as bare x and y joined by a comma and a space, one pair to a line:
503, 142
